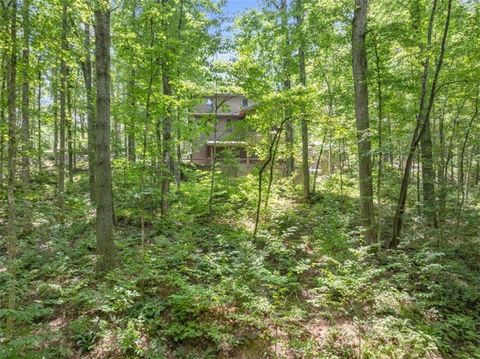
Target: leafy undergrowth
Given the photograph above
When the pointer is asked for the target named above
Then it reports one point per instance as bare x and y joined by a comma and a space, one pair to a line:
201, 288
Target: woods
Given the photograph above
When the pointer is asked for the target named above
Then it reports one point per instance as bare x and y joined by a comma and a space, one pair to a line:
239, 179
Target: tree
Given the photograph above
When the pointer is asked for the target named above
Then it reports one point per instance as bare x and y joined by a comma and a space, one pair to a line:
103, 180
86, 66
63, 109
303, 83
27, 145
12, 165
359, 66
425, 108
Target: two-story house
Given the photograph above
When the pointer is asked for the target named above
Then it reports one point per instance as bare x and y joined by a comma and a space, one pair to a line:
228, 111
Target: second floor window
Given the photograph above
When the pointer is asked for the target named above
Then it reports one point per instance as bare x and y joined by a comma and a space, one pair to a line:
229, 125
209, 105
245, 102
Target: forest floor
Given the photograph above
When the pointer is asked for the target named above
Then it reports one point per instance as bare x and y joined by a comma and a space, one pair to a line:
201, 287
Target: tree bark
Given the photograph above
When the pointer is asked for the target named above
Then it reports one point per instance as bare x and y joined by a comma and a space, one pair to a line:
63, 111
423, 115
27, 143
12, 163
131, 127
275, 140
304, 126
289, 137
4, 70
69, 120
39, 123
55, 115
428, 176
87, 76
106, 250
380, 137
461, 172
167, 159
317, 164
359, 66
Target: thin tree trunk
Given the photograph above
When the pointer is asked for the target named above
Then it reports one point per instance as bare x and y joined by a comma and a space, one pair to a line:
424, 113
167, 160
131, 127
217, 106
87, 76
260, 174
289, 138
214, 161
5, 68
303, 82
103, 180
69, 120
63, 111
178, 164
317, 164
442, 198
12, 163
39, 123
380, 138
359, 66
55, 115
461, 177
441, 170
469, 176
272, 165
428, 176
74, 130
27, 143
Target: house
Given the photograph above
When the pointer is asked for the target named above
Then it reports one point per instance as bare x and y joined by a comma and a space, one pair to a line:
228, 111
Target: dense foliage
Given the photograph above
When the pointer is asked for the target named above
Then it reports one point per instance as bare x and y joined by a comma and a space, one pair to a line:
355, 235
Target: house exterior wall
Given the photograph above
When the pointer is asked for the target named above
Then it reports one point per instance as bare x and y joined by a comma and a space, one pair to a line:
229, 133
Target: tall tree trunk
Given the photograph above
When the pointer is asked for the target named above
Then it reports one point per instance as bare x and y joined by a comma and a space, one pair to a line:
380, 137
106, 250
55, 115
272, 165
74, 130
178, 162
289, 137
461, 172
87, 76
12, 163
69, 121
359, 66
428, 176
4, 70
39, 123
131, 127
442, 184
27, 143
63, 110
167, 159
423, 114
303, 82
213, 162
271, 150
317, 164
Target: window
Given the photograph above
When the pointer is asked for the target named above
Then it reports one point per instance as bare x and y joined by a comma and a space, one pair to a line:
229, 125
245, 102
209, 105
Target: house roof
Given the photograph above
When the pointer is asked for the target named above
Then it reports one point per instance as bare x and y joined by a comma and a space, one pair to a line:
240, 114
226, 143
